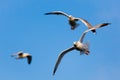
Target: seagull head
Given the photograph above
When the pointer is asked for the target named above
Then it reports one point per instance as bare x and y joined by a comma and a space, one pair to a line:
74, 43
16, 54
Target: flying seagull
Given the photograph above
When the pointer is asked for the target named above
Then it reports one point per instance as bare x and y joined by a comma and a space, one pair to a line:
21, 55
78, 45
72, 20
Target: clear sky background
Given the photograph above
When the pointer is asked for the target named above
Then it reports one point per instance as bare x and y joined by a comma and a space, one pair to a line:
24, 27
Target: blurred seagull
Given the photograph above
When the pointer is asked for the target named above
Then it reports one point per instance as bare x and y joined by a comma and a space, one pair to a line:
72, 20
21, 55
78, 45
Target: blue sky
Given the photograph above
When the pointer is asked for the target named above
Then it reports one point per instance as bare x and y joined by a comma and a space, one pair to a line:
23, 26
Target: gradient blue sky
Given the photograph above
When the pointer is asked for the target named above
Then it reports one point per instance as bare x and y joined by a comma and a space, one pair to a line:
23, 26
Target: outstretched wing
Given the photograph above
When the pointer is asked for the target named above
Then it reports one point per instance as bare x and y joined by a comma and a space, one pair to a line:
87, 24
60, 58
101, 25
29, 59
94, 28
83, 35
57, 13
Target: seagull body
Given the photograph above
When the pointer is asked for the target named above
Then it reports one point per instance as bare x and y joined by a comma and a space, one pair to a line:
78, 45
83, 48
21, 55
72, 20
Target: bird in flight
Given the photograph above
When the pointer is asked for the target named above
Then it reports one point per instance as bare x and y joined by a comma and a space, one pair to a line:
72, 20
21, 55
78, 45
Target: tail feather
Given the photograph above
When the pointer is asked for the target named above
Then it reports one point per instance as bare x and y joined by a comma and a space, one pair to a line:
87, 44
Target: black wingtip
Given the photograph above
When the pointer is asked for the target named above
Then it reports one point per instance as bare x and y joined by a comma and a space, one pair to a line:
105, 24
46, 13
54, 72
29, 63
108, 23
29, 59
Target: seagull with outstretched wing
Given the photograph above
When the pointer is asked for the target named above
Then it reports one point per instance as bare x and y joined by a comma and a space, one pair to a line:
78, 45
72, 20
21, 55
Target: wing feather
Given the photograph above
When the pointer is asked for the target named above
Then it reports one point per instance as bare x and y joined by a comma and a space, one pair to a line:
29, 59
87, 24
60, 58
94, 28
57, 13
101, 25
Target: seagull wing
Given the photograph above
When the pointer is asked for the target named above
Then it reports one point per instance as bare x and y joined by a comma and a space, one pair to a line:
57, 13
60, 58
29, 59
93, 28
87, 24
83, 35
101, 25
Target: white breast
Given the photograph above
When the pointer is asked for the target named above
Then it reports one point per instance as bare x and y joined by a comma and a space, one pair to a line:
79, 45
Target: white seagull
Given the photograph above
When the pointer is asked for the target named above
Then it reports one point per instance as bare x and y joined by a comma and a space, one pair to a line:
21, 55
72, 20
78, 45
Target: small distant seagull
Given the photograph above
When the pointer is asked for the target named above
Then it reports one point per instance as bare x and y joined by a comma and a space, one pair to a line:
21, 55
72, 20
78, 45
